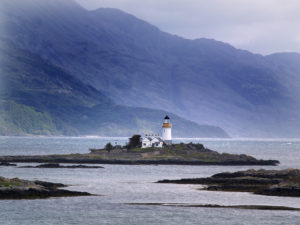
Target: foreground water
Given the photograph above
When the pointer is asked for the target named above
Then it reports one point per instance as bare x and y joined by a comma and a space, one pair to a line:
121, 184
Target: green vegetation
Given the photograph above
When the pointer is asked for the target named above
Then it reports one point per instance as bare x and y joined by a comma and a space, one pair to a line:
24, 189
140, 149
5, 182
108, 147
16, 119
178, 152
134, 142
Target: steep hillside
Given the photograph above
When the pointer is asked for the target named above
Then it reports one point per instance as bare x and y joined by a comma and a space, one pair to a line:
39, 98
136, 64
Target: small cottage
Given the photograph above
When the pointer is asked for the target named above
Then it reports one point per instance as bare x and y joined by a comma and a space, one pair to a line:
152, 141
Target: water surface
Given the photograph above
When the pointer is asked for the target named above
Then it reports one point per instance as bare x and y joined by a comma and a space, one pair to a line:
120, 184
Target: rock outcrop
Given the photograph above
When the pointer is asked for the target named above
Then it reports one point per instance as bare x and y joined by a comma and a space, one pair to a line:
7, 164
57, 165
263, 182
23, 189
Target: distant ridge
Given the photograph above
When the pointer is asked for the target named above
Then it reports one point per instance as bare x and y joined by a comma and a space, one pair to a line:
134, 63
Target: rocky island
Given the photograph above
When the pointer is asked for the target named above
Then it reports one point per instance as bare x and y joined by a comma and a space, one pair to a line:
262, 182
16, 188
174, 154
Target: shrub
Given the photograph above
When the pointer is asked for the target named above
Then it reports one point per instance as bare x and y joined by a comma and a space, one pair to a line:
135, 141
108, 147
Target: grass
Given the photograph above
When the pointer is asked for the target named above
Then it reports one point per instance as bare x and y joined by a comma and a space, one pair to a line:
140, 149
5, 182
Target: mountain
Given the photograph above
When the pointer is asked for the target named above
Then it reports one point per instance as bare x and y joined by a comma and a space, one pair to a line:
135, 64
288, 61
39, 98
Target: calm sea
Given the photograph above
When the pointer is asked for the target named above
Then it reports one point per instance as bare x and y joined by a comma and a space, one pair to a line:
121, 184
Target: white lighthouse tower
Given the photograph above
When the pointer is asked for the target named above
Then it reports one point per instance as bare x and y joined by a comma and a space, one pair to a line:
167, 131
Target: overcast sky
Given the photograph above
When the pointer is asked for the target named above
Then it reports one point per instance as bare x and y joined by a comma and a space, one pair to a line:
261, 26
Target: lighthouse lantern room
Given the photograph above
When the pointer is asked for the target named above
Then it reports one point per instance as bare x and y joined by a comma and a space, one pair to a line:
167, 131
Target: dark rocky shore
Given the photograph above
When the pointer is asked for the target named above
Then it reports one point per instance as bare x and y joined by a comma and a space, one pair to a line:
176, 154
7, 164
23, 189
253, 207
263, 182
57, 165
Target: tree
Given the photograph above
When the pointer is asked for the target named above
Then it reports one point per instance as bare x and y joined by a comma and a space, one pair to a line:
135, 141
108, 147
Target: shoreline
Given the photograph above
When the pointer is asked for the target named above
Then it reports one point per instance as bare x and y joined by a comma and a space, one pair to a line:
283, 183
245, 207
174, 154
48, 159
17, 189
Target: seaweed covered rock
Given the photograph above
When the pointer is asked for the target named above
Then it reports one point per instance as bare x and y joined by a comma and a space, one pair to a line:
16, 188
7, 164
57, 165
264, 182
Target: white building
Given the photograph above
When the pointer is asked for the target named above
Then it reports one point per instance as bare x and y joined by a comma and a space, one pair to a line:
167, 131
156, 141
152, 141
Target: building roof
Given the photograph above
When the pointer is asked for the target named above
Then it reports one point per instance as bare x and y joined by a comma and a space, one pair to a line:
167, 117
161, 140
147, 138
152, 138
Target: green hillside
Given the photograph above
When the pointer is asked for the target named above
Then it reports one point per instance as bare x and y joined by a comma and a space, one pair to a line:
20, 119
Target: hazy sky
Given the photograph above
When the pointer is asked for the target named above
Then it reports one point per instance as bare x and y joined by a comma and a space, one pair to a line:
261, 26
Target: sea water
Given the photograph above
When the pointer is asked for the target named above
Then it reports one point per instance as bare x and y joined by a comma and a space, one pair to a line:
118, 185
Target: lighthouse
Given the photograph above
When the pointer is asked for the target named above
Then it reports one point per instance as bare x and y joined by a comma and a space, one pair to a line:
167, 131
